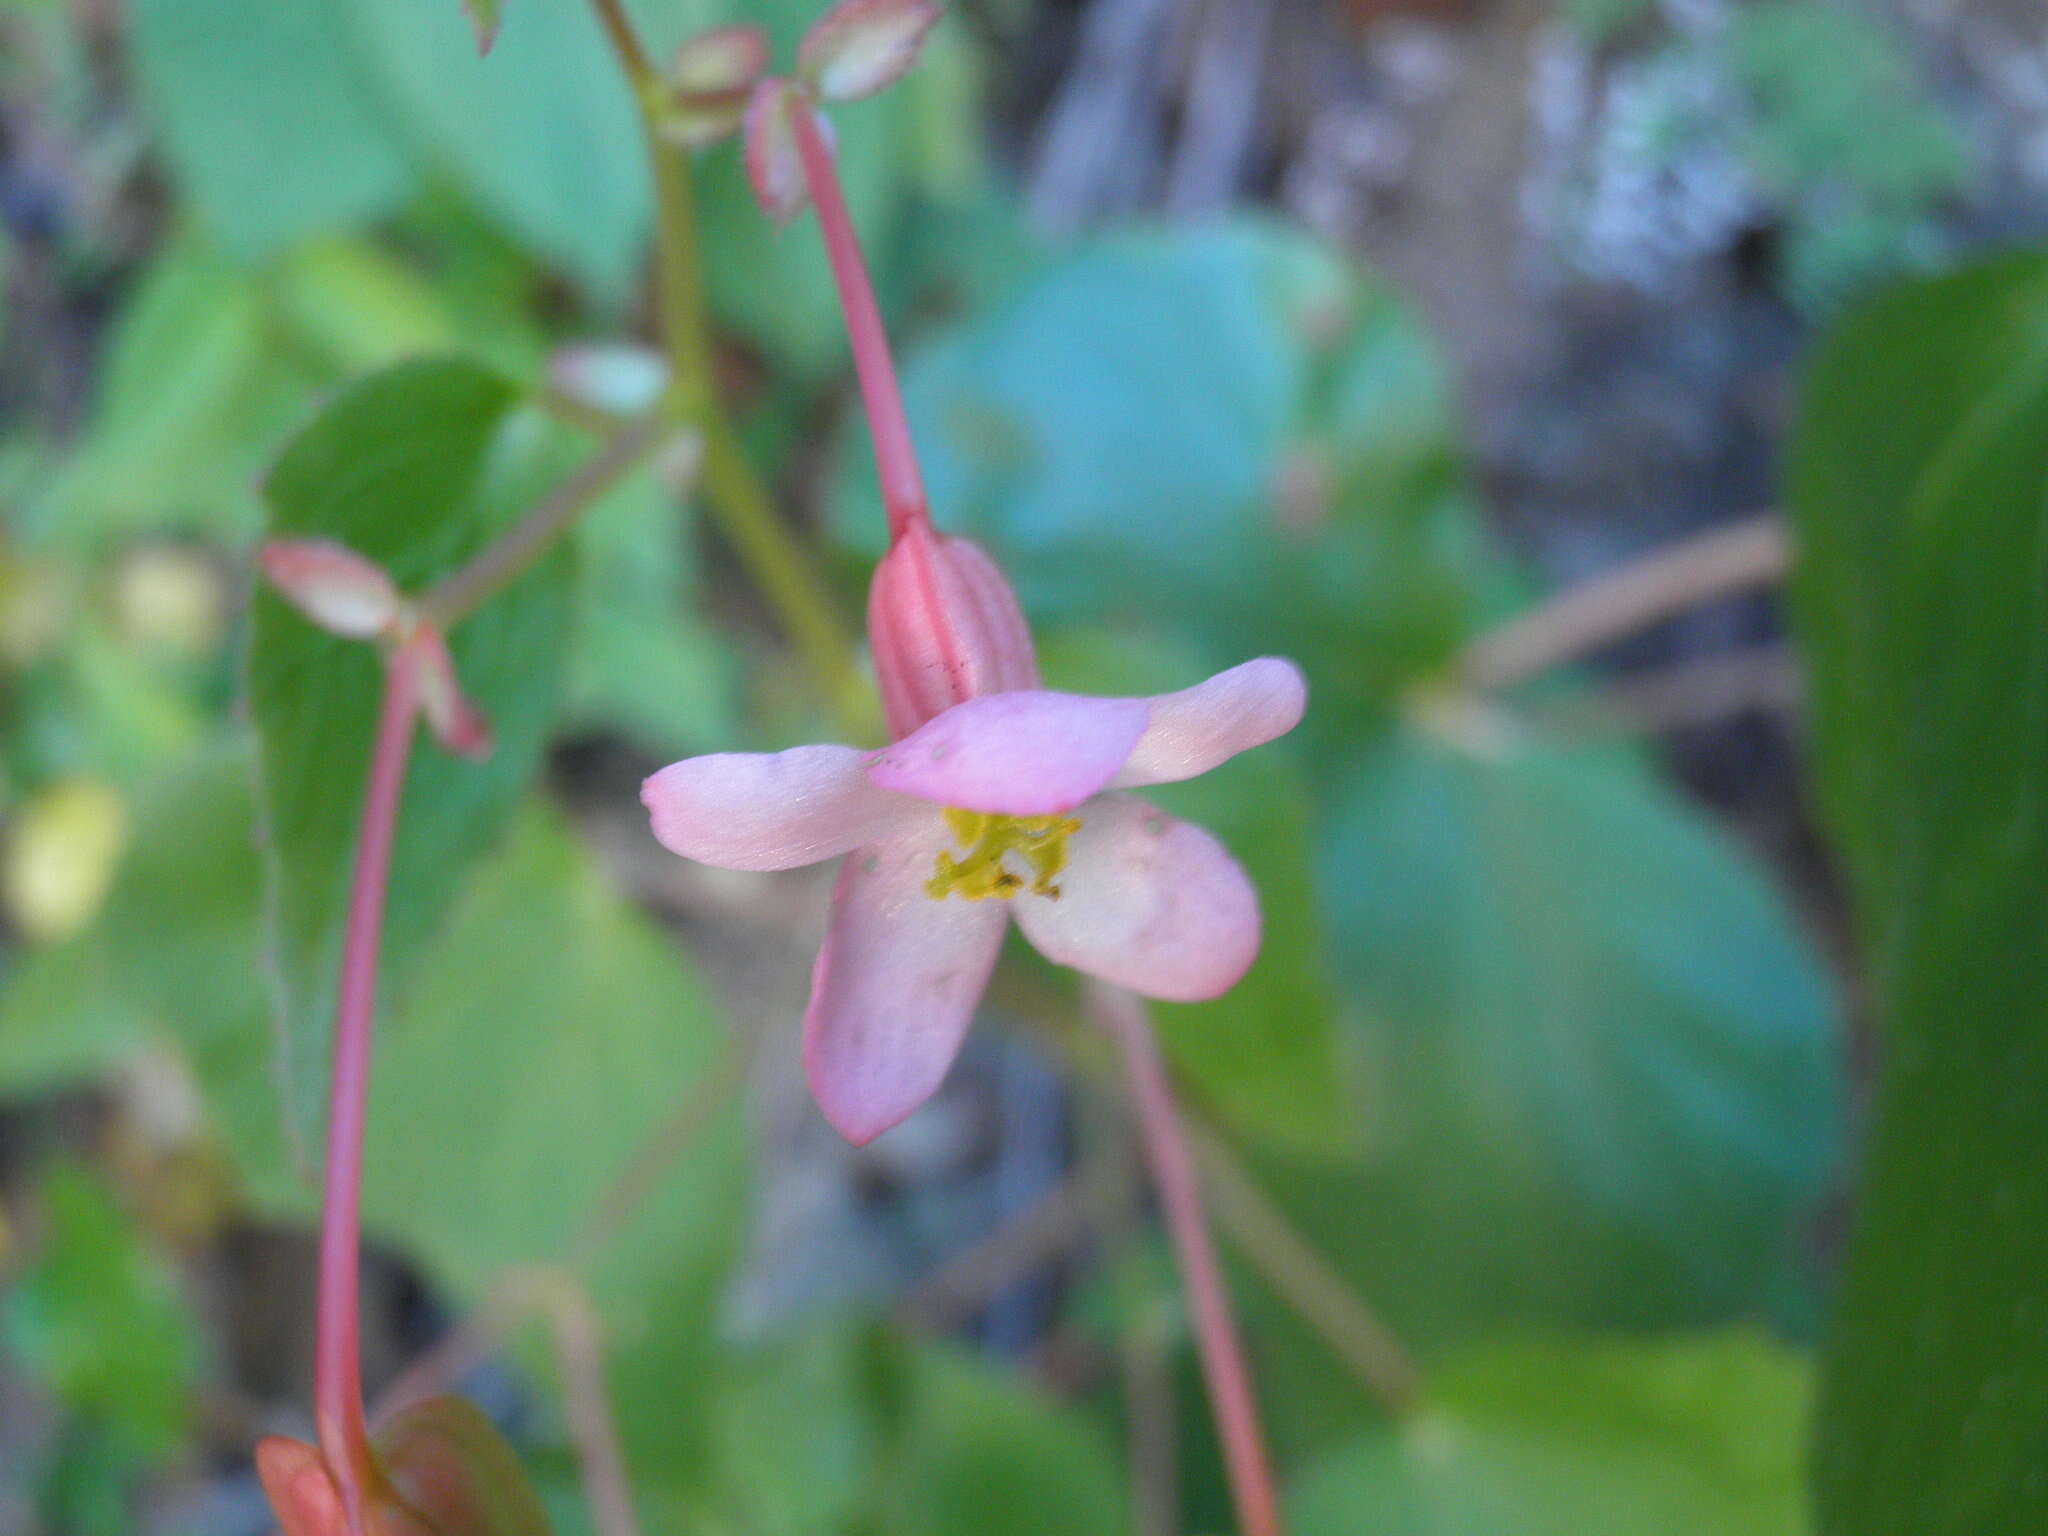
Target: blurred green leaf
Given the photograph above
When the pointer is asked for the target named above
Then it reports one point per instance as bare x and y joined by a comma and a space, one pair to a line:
1596, 1058
981, 1454
541, 132
646, 661
1936, 363
176, 956
356, 307
1834, 100
161, 455
1578, 1438
782, 1484
415, 468
552, 1035
274, 124
1226, 428
99, 1321
62, 1017
1917, 483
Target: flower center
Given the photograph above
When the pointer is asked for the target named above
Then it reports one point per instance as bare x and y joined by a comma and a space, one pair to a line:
1040, 842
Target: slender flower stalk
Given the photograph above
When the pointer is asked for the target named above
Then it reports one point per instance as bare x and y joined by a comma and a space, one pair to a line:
507, 557
337, 1374
902, 484
776, 562
1231, 1398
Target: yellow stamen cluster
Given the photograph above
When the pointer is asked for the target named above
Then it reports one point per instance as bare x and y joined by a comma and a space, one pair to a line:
1040, 841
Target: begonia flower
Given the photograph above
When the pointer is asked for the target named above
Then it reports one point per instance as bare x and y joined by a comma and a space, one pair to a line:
997, 799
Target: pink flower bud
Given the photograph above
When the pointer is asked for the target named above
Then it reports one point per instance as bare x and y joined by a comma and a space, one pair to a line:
774, 168
944, 627
860, 46
333, 586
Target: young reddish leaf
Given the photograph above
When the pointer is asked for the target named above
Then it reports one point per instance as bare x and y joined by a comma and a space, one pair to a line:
709, 79
333, 586
773, 167
448, 1463
721, 60
301, 1494
484, 16
455, 722
860, 46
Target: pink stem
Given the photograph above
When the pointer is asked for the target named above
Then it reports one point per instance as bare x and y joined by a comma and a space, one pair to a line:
895, 462
1173, 1172
337, 1374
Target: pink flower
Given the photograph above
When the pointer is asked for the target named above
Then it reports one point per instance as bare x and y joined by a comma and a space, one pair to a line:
998, 800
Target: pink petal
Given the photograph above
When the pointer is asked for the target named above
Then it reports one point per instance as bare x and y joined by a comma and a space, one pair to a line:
1015, 754
1147, 902
1192, 731
895, 985
771, 810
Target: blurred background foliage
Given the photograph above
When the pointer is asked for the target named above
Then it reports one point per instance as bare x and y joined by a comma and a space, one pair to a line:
1349, 337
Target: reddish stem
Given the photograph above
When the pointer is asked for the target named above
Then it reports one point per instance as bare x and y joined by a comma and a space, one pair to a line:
337, 1374
895, 462
1173, 1173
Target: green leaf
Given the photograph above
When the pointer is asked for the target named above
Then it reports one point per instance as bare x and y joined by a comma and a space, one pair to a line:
1907, 383
1226, 428
1563, 1438
779, 1484
550, 1036
100, 1322
983, 1455
414, 468
541, 133
1918, 483
174, 955
183, 457
645, 660
62, 1017
1596, 1059
273, 122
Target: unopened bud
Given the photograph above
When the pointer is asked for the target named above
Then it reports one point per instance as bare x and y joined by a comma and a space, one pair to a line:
333, 586
774, 168
860, 46
944, 627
